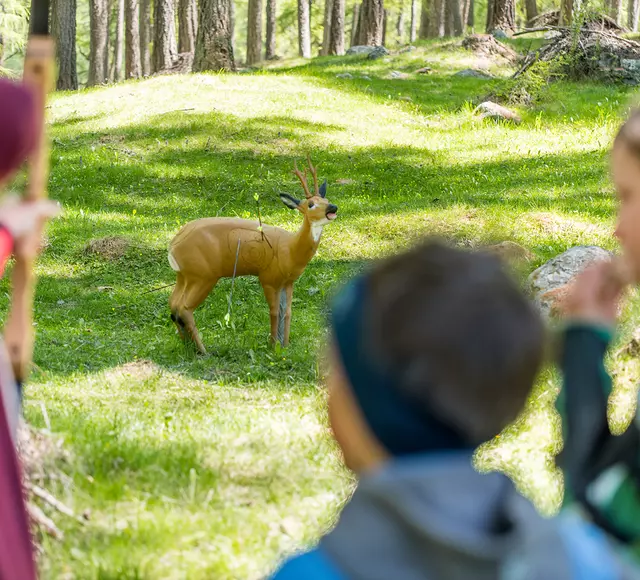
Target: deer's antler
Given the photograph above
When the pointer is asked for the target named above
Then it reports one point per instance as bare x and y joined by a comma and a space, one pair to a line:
314, 174
303, 180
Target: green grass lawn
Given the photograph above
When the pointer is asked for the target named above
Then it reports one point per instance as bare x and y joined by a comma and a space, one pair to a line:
214, 467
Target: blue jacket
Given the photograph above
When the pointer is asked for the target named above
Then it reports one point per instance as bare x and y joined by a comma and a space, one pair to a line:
437, 518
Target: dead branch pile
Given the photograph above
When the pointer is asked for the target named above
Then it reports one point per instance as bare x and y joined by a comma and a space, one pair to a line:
552, 18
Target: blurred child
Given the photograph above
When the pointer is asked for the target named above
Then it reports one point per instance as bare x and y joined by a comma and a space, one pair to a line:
434, 352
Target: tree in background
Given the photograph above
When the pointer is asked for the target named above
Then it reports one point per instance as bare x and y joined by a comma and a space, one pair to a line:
187, 25
270, 45
371, 23
566, 12
433, 19
456, 27
164, 42
145, 36
501, 15
63, 28
336, 36
355, 23
632, 16
616, 10
99, 31
304, 29
133, 67
254, 32
531, 7
326, 27
214, 45
415, 14
119, 44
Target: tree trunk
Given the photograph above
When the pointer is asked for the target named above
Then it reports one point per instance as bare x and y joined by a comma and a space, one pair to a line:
466, 8
400, 25
188, 25
531, 7
270, 48
164, 42
634, 11
371, 23
566, 12
99, 20
471, 17
304, 29
355, 23
385, 20
254, 32
336, 38
145, 36
63, 28
326, 27
455, 17
132, 49
501, 16
233, 27
118, 51
413, 34
616, 11
214, 46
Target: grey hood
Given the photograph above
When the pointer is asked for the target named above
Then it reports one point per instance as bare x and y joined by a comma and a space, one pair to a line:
437, 518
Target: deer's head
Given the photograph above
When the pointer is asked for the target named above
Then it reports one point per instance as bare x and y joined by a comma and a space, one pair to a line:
316, 208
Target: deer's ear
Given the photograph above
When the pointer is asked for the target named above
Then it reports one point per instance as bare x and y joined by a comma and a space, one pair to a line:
323, 189
290, 202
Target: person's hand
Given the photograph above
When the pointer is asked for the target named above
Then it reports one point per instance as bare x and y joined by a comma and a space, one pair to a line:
22, 218
594, 296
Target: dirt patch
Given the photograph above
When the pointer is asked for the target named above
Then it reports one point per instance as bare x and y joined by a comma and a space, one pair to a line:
111, 248
486, 46
40, 452
138, 369
554, 224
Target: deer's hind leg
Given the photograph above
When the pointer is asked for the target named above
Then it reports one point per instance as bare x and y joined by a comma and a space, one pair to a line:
188, 294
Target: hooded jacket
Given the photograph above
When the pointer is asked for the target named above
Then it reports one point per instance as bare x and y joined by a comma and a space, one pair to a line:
436, 518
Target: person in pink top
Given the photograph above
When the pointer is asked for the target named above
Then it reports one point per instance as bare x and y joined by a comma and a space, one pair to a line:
18, 221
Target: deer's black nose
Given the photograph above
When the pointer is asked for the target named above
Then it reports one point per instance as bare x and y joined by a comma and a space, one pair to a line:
332, 208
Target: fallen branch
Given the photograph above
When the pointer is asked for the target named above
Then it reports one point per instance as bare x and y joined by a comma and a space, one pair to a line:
55, 503
38, 516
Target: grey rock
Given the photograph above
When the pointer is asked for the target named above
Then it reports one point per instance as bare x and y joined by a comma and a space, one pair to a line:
378, 52
491, 110
365, 78
407, 49
631, 64
344, 76
360, 50
500, 34
549, 282
473, 73
396, 74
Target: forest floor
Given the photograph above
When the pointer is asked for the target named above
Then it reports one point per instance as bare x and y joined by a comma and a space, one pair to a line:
214, 467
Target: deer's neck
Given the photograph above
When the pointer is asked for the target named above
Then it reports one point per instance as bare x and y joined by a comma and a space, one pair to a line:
306, 242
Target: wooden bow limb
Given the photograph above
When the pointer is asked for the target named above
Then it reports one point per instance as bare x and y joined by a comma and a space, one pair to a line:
38, 76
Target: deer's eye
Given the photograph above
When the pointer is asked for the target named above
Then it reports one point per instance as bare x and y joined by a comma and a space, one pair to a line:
311, 204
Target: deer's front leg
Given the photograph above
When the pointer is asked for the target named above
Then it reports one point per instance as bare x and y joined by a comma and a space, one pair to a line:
287, 316
272, 296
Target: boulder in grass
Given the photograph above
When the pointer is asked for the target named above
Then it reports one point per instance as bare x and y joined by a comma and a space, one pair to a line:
491, 110
378, 52
360, 50
550, 284
397, 75
475, 74
344, 76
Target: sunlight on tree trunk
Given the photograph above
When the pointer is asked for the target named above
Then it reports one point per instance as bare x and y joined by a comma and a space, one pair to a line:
254, 32
634, 12
98, 58
616, 11
119, 41
371, 23
566, 12
145, 36
385, 21
164, 43
415, 14
304, 29
132, 46
187, 25
457, 27
63, 28
336, 37
326, 27
400, 25
270, 48
467, 9
355, 23
214, 45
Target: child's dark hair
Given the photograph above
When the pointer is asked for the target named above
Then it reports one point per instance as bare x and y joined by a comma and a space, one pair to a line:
459, 335
629, 133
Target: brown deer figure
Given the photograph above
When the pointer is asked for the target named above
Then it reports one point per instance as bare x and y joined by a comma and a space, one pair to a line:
208, 249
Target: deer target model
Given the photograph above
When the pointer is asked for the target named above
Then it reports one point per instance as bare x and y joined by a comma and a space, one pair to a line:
208, 249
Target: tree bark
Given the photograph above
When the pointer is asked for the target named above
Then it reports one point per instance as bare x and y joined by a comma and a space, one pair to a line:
371, 23
326, 27
254, 32
566, 12
165, 49
118, 51
355, 23
501, 16
270, 48
616, 11
634, 12
145, 36
187, 25
214, 46
336, 38
63, 28
448, 19
304, 29
455, 17
413, 34
233, 26
133, 67
471, 17
385, 20
531, 8
400, 25
99, 20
